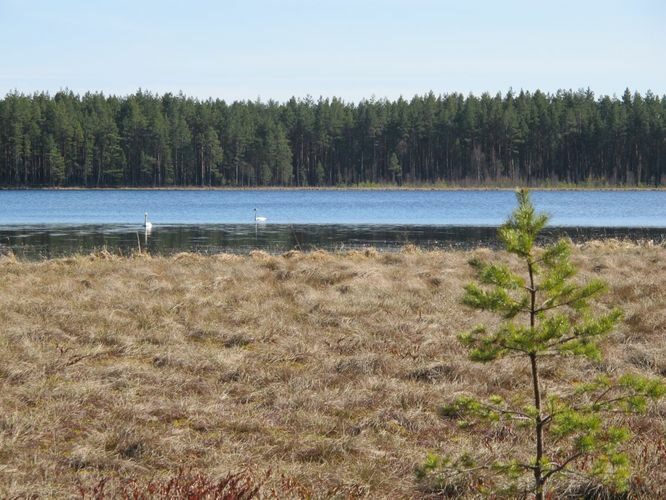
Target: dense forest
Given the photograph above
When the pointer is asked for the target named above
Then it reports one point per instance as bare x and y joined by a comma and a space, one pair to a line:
146, 139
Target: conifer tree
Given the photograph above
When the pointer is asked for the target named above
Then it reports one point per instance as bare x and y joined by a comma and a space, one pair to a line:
546, 314
394, 167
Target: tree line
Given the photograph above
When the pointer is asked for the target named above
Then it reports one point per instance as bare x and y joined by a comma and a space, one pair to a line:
145, 139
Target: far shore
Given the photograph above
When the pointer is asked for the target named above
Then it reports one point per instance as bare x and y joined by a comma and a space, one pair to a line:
358, 187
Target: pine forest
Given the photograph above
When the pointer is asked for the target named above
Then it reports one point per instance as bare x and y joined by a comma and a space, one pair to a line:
148, 140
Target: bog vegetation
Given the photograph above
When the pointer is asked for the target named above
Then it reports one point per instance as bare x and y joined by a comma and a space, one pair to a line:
315, 374
171, 140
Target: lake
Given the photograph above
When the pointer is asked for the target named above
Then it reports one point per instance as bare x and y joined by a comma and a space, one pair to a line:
46, 223
459, 208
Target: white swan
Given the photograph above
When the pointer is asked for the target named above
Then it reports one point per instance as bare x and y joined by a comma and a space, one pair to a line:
258, 218
146, 223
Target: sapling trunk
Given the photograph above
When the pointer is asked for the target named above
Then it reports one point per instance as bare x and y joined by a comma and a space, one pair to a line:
538, 428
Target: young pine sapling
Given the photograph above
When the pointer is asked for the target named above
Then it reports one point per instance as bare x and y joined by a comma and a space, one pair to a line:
545, 314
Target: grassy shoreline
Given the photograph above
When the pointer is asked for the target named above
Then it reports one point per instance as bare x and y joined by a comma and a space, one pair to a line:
328, 368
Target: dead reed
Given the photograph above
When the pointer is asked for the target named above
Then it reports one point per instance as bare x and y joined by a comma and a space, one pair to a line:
327, 369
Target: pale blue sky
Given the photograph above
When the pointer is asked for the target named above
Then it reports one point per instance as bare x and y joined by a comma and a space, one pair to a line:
352, 49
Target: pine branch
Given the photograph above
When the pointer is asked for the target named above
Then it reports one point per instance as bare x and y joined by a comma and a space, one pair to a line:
523, 416
563, 465
600, 397
544, 308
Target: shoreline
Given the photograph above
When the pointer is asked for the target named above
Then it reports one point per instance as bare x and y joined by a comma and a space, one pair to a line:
126, 255
336, 188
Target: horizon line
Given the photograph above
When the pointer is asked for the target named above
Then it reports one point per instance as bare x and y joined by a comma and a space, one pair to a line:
309, 97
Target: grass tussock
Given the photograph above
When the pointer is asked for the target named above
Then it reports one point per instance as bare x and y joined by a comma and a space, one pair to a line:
243, 485
327, 369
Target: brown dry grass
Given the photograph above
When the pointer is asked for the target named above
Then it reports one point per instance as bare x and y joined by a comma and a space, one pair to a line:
327, 368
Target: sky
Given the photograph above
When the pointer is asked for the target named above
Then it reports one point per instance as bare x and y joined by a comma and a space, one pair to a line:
352, 49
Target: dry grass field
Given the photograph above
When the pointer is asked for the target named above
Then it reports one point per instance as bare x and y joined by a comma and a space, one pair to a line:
326, 368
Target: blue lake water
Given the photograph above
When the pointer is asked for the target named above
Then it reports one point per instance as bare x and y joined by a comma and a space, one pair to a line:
55, 222
463, 208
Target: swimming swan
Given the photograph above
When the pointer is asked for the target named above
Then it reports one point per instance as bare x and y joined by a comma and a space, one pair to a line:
258, 218
146, 223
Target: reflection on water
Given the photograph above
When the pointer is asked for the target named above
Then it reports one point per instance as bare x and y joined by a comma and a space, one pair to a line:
48, 241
